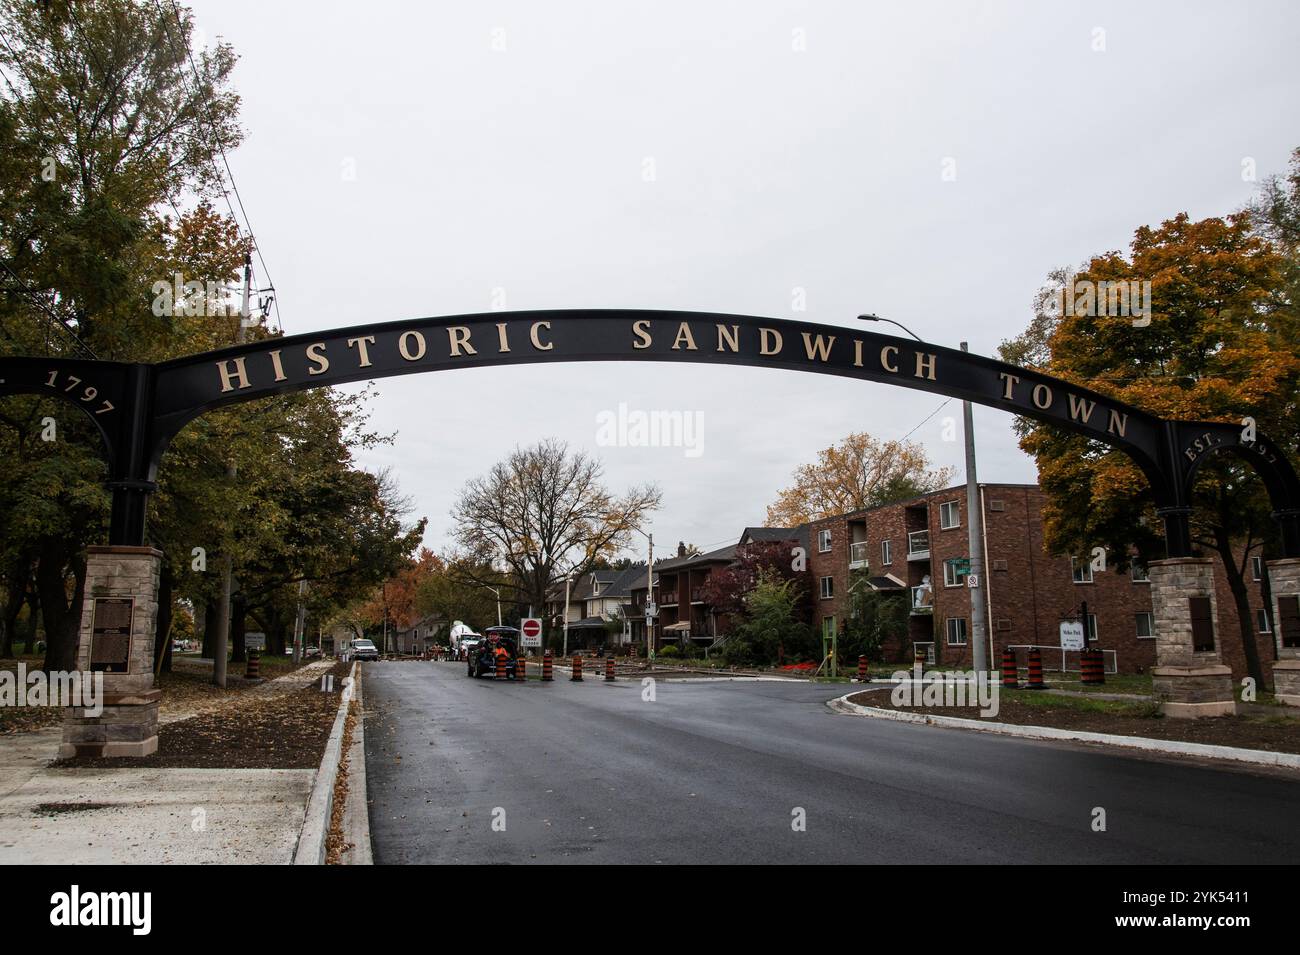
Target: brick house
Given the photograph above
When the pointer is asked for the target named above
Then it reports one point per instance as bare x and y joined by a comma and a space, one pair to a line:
915, 547
678, 584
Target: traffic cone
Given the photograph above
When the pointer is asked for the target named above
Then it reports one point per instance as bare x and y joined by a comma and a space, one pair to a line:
1010, 678
1036, 669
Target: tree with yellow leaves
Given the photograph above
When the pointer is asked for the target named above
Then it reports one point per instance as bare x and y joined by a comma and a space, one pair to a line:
858, 473
1220, 343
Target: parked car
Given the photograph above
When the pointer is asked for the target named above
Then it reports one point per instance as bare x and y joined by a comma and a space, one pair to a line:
482, 658
364, 650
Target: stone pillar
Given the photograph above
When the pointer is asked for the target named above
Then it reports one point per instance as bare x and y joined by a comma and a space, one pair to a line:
1190, 682
1284, 587
128, 725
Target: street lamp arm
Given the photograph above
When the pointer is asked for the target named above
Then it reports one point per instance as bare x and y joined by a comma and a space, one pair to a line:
877, 318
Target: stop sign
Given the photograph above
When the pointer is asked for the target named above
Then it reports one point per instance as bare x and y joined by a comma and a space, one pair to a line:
531, 628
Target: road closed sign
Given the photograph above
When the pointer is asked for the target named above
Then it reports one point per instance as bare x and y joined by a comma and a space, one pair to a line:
1071, 634
531, 628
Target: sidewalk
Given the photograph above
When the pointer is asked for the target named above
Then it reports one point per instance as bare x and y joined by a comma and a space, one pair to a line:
148, 816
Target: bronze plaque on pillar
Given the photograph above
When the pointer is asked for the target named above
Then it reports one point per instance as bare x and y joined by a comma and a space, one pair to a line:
110, 638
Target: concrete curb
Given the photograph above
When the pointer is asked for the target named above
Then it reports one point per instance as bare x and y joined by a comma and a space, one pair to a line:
356, 811
316, 820
1170, 747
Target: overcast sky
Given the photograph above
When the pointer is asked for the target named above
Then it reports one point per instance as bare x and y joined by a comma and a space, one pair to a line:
415, 159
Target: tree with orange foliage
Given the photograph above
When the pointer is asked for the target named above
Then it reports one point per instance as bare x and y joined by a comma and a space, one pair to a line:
1221, 343
858, 473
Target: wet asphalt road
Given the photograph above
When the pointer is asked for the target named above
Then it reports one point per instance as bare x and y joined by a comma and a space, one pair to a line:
715, 772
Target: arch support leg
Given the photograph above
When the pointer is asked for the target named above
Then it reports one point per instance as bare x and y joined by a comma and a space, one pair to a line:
1189, 678
1178, 530
1284, 585
118, 627
1289, 524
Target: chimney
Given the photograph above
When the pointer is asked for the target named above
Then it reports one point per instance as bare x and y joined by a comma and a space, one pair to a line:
681, 548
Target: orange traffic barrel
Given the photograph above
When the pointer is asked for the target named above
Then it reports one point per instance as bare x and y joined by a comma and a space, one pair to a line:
521, 669
609, 669
499, 667
1036, 669
862, 668
547, 676
1010, 678
1092, 666
253, 668
577, 668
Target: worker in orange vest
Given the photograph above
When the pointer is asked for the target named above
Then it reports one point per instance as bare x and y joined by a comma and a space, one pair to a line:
502, 656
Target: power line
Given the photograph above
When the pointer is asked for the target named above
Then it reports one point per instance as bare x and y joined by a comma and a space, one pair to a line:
925, 419
189, 55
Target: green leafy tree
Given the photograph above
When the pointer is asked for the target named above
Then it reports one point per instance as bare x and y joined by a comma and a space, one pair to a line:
772, 626
875, 618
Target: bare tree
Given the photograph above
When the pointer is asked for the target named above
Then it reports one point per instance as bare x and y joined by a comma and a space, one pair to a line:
544, 513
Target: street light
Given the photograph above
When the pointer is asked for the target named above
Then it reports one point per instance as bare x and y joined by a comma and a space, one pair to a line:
498, 593
877, 318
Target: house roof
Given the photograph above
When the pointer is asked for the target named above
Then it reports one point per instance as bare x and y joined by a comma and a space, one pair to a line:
761, 535
723, 555
621, 585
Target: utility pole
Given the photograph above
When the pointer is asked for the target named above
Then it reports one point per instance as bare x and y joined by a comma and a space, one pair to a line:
650, 598
299, 624
221, 642
975, 538
567, 580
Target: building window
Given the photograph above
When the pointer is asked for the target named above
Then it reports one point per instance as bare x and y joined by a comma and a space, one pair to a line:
1092, 627
956, 627
1082, 570
823, 541
1140, 574
953, 572
828, 588
949, 515
1257, 568
1262, 621
886, 553
1146, 626
828, 627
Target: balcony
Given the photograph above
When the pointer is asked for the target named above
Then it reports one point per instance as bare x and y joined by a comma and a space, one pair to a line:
922, 600
697, 595
857, 555
918, 545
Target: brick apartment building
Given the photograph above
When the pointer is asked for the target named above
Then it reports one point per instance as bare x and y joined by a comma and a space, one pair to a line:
915, 547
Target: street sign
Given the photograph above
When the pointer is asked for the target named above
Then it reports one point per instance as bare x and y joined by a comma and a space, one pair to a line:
531, 629
1071, 634
972, 580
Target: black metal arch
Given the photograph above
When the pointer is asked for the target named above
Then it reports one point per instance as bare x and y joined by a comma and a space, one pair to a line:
139, 408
